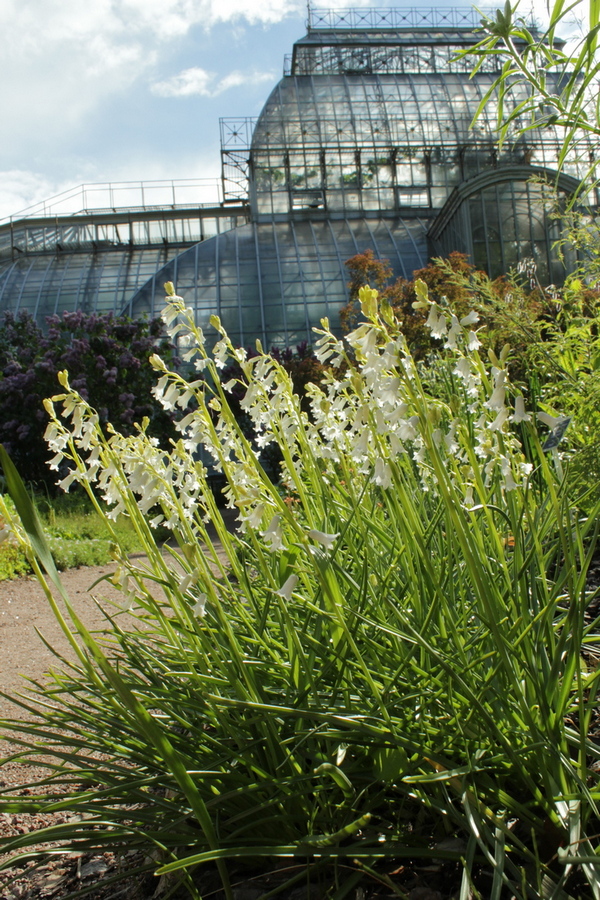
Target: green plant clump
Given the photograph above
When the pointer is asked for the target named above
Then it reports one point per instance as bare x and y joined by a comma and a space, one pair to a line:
13, 561
77, 536
384, 666
553, 333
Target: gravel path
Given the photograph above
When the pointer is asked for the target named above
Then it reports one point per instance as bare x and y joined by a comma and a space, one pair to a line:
25, 614
25, 611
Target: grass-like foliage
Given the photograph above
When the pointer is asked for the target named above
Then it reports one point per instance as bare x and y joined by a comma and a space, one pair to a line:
387, 655
13, 561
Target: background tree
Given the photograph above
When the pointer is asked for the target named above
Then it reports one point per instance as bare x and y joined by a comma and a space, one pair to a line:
107, 359
515, 309
365, 269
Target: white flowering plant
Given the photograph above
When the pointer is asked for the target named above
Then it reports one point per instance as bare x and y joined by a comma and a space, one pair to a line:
389, 652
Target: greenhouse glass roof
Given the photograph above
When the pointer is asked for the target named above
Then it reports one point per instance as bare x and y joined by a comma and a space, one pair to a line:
365, 143
274, 281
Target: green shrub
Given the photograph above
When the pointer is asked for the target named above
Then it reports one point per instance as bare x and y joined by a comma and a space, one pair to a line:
69, 553
13, 561
83, 528
553, 334
387, 654
78, 536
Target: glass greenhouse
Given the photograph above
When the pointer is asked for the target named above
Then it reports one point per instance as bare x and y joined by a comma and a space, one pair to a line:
364, 143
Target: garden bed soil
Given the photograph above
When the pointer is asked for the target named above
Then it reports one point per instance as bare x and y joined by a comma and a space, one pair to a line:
28, 631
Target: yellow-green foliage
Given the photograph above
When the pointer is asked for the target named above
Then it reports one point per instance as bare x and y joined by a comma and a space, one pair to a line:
78, 536
387, 655
12, 561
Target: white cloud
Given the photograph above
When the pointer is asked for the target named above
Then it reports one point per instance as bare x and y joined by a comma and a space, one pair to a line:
185, 84
199, 81
237, 78
39, 22
195, 176
65, 58
267, 11
20, 189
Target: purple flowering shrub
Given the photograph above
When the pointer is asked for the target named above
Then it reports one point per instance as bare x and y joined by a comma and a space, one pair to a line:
107, 359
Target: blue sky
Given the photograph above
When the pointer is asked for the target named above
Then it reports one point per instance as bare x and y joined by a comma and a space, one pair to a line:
123, 90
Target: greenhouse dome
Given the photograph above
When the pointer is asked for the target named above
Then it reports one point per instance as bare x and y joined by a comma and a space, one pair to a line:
365, 143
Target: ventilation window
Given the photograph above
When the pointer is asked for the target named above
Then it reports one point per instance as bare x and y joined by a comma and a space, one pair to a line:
308, 200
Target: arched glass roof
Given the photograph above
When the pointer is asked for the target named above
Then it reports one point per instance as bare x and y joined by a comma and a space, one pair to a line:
96, 262
274, 281
505, 215
104, 281
380, 119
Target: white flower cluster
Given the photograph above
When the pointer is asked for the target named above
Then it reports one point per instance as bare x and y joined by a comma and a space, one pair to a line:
169, 484
267, 399
370, 418
379, 410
